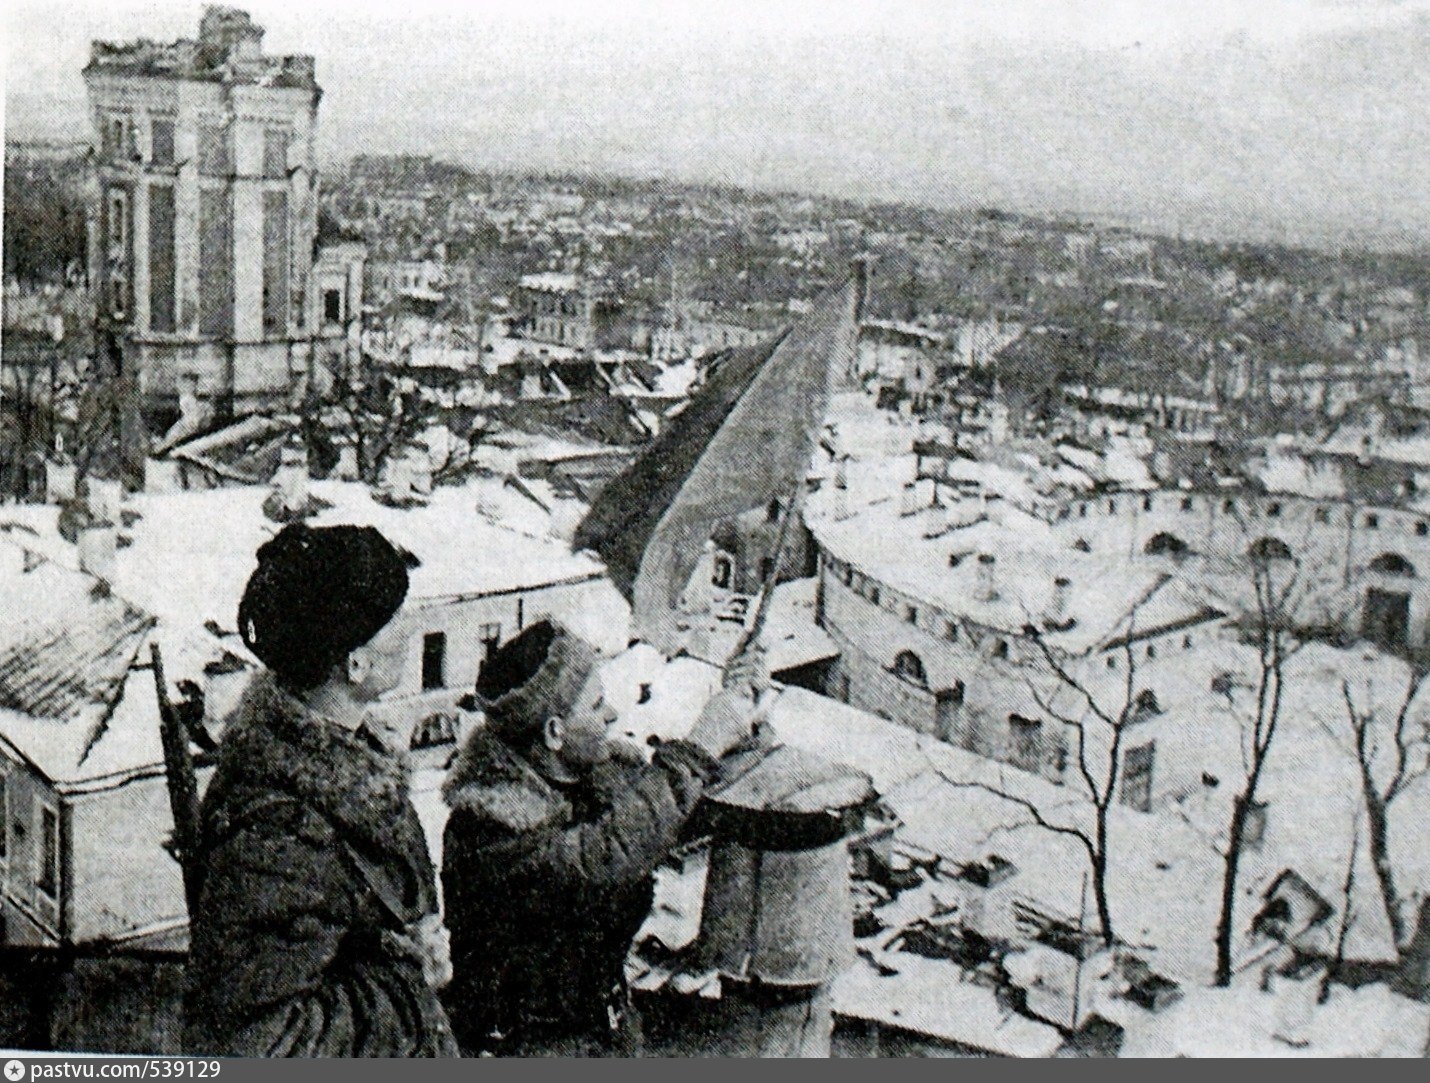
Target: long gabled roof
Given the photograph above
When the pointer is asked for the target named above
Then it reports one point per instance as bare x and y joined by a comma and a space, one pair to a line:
54, 664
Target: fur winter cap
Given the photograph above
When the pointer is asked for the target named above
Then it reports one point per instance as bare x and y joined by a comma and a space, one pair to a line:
318, 594
535, 676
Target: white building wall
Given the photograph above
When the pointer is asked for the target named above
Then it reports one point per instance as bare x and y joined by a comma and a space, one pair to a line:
1334, 541
123, 881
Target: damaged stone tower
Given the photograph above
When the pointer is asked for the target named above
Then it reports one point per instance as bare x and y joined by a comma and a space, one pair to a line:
204, 220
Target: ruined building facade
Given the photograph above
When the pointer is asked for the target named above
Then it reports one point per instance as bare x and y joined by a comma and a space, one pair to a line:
204, 218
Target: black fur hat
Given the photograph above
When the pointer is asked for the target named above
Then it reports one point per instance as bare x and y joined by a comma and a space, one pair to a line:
318, 594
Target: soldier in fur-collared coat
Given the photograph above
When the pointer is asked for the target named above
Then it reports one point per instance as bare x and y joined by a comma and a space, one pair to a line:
549, 851
315, 932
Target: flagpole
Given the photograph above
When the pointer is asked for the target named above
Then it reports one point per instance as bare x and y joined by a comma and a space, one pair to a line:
767, 588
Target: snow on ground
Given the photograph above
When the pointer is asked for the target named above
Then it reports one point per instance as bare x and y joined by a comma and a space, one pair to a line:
1164, 887
1244, 1021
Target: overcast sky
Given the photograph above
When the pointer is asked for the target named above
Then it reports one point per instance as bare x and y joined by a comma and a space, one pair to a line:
1308, 119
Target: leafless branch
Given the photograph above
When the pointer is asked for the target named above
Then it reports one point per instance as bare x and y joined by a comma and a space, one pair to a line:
1034, 813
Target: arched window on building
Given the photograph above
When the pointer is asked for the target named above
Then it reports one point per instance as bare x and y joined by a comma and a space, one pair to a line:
909, 666
1146, 703
1165, 544
1263, 550
1392, 564
434, 730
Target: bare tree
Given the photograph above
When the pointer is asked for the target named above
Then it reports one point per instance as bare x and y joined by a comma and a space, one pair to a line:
1269, 628
379, 417
1098, 762
1385, 774
1348, 917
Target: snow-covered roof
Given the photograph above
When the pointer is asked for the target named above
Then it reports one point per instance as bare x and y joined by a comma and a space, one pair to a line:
80, 711
1119, 463
915, 994
1157, 888
790, 635
434, 356
896, 550
1165, 862
504, 350
550, 282
1356, 440
926, 996
905, 330
676, 380
1295, 476
191, 553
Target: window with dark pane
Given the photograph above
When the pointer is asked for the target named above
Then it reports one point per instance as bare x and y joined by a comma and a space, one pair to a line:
434, 660
161, 141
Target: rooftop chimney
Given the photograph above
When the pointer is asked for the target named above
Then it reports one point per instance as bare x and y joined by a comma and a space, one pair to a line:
987, 577
290, 481
1059, 604
909, 499
59, 482
420, 470
347, 466
103, 498
97, 543
777, 915
935, 520
397, 479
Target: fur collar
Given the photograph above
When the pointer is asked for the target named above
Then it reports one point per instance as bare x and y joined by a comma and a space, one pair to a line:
496, 783
274, 746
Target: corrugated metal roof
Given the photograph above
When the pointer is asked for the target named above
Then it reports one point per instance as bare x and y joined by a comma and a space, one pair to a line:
52, 668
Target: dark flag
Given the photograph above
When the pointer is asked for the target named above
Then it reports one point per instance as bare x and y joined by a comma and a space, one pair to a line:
744, 439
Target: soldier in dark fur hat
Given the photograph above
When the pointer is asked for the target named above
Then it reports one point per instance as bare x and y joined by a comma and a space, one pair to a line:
550, 848
316, 931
